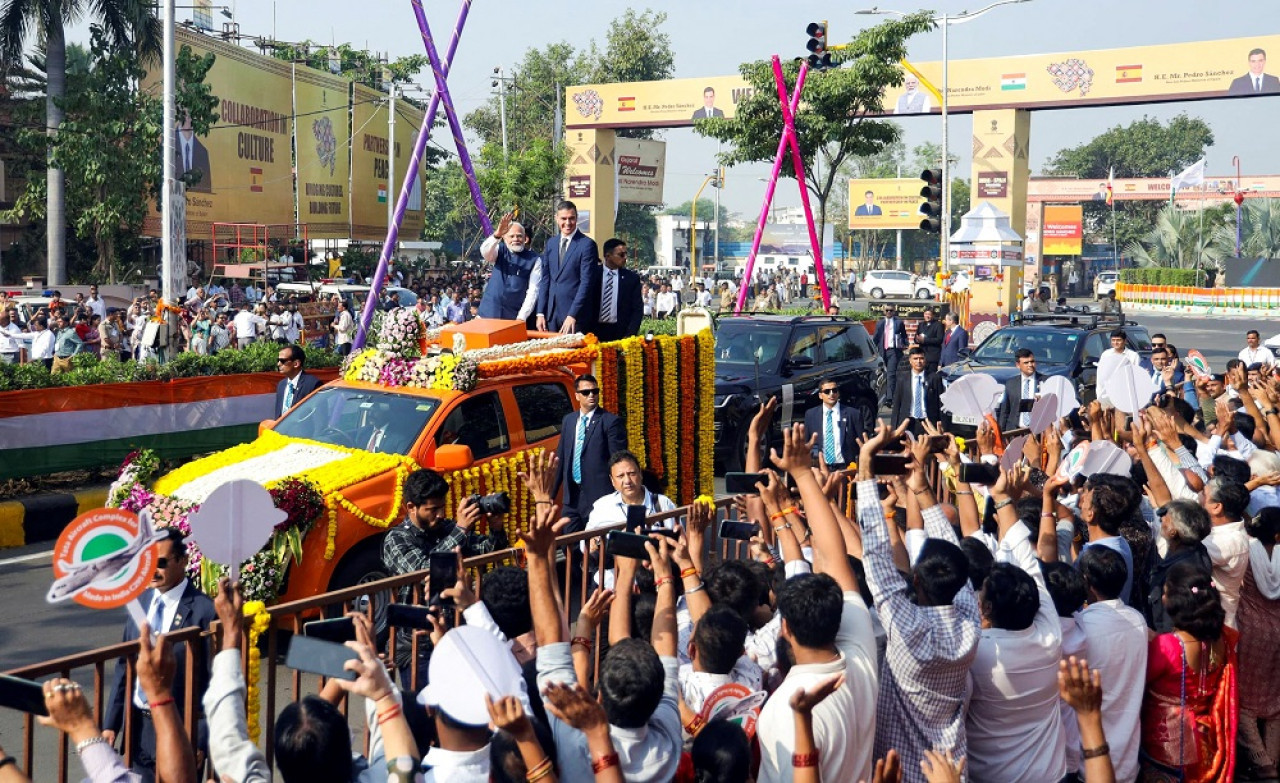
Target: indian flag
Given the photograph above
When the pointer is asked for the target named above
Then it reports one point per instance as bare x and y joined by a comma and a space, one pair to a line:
1013, 81
382, 194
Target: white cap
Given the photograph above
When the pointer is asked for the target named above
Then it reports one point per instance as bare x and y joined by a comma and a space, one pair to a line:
468, 663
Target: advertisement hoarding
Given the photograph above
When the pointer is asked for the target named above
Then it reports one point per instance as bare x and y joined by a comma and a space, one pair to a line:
885, 203
370, 158
1063, 232
324, 167
641, 169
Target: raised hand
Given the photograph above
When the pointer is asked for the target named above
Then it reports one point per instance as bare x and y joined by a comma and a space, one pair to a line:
156, 665
229, 605
540, 478
540, 540
594, 610
503, 225
1080, 688
797, 456
572, 705
763, 418
941, 767
805, 700
508, 715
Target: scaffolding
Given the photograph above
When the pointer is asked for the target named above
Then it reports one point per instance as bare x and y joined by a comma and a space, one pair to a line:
254, 252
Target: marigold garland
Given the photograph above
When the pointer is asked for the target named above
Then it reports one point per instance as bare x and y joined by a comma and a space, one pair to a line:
608, 371
631, 352
522, 365
497, 475
706, 409
688, 477
653, 412
259, 622
670, 390
335, 499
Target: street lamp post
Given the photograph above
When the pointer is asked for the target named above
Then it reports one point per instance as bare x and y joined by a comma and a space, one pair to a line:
693, 228
945, 21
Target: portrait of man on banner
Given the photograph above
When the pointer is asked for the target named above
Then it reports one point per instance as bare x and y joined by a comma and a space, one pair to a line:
869, 207
914, 100
1256, 81
708, 109
191, 156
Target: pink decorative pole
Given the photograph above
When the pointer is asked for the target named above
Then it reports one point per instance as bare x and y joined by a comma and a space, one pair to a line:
788, 119
787, 130
409, 181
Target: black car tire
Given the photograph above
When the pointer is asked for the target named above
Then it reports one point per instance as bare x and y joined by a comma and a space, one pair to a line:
877, 293
738, 456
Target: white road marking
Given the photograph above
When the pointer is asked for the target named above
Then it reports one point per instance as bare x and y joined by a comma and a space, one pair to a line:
27, 558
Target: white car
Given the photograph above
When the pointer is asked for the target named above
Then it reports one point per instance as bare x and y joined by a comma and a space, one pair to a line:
882, 283
960, 281
1106, 283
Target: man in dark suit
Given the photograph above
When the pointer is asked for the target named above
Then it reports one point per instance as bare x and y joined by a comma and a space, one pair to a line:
1255, 82
572, 265
619, 306
173, 602
890, 339
588, 438
929, 336
918, 396
1023, 386
192, 157
955, 340
837, 426
869, 208
297, 383
708, 109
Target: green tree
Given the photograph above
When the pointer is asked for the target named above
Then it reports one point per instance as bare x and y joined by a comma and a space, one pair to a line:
111, 133
1181, 239
833, 123
126, 23
1143, 148
1260, 230
359, 65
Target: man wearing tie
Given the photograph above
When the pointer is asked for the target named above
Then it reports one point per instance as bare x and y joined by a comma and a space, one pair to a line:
620, 307
919, 395
588, 438
890, 339
1023, 386
572, 266
297, 383
955, 342
1255, 82
173, 602
929, 336
837, 426
193, 157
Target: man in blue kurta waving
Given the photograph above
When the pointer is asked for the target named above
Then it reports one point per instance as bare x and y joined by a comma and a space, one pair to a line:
518, 271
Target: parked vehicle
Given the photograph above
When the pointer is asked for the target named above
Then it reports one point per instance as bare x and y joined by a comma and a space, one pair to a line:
763, 356
883, 283
1106, 283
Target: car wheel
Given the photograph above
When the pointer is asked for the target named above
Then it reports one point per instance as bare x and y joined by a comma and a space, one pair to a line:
923, 293
877, 293
736, 463
361, 566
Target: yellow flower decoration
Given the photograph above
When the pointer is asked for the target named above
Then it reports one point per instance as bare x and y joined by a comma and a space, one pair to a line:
259, 622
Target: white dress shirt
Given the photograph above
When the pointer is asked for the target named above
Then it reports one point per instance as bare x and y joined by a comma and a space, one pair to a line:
1014, 725
1116, 645
1228, 547
844, 724
1261, 354
1073, 643
42, 344
827, 410
10, 338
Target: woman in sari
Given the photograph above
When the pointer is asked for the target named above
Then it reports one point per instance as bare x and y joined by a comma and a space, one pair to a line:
1259, 621
1189, 710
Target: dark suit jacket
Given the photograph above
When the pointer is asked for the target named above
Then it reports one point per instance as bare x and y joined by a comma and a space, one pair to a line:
307, 383
1007, 414
194, 608
1243, 85
630, 307
901, 407
199, 162
701, 114
951, 349
605, 437
851, 427
899, 334
929, 337
864, 211
567, 283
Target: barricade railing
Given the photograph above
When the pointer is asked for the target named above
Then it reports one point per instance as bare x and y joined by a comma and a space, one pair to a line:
90, 667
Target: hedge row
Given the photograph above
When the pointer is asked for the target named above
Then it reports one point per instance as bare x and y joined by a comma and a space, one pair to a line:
1160, 276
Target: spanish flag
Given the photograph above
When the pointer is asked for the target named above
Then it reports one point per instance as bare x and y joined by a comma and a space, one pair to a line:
627, 103
1127, 74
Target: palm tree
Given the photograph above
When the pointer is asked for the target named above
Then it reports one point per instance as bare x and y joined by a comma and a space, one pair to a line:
127, 22
1259, 234
1177, 242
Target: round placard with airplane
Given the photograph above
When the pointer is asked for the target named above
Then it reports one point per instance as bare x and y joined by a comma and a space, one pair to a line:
105, 558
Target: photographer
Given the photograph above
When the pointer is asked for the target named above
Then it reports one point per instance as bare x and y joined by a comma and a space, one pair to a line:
408, 546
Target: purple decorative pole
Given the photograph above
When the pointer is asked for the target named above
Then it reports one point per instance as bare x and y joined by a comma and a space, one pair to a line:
788, 118
415, 162
769, 189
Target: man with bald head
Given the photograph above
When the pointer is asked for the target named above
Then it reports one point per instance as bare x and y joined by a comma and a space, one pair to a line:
512, 291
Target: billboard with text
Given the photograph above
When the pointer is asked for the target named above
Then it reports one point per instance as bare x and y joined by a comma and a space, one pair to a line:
1063, 233
885, 203
641, 167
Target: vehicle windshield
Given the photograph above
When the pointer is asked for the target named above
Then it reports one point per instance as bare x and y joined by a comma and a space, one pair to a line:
745, 343
359, 418
1050, 347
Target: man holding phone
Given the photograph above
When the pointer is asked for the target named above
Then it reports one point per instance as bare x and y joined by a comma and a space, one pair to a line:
1025, 386
408, 546
629, 492
838, 426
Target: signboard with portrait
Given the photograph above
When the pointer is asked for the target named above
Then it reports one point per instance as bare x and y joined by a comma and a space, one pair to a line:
885, 203
371, 156
672, 103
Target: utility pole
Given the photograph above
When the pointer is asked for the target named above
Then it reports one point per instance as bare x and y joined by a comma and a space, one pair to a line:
501, 84
898, 252
719, 187
391, 152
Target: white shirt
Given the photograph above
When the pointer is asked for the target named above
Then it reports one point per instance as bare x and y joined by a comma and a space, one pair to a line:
666, 301
612, 510
342, 329
1228, 547
246, 324
293, 331
918, 396
1260, 354
1116, 645
1014, 725
703, 299
844, 724
169, 600
696, 686
1073, 643
827, 411
98, 307
457, 766
42, 344
10, 341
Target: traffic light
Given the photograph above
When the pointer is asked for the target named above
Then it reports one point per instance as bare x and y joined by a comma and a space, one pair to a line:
819, 58
932, 206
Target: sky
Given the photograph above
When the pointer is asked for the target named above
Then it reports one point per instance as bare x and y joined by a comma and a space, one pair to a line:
712, 37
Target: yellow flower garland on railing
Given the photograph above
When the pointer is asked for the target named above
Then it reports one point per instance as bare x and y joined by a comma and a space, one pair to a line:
259, 622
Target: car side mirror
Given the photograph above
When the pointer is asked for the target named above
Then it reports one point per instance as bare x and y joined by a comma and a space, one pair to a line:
1090, 362
800, 362
453, 456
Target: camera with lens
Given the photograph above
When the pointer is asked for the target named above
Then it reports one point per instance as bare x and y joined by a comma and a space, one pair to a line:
492, 504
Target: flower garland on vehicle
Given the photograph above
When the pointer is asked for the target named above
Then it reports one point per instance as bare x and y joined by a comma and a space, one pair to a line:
497, 475
706, 408
652, 421
522, 365
668, 348
529, 347
632, 353
400, 333
259, 622
609, 383
335, 499
687, 479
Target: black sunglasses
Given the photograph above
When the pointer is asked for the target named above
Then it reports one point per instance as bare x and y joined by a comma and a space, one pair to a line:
588, 392
828, 391
162, 562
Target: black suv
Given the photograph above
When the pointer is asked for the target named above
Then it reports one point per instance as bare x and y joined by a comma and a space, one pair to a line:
1067, 343
763, 356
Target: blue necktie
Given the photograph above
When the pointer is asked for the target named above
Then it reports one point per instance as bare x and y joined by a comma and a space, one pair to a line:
829, 438
154, 618
577, 449
917, 408
288, 397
